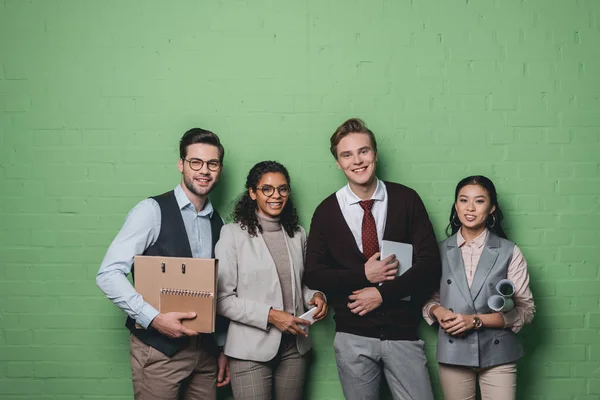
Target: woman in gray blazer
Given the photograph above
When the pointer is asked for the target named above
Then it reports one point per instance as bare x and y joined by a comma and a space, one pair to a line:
261, 263
474, 341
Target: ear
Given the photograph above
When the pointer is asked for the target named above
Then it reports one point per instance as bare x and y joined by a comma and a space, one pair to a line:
252, 194
180, 165
338, 164
492, 210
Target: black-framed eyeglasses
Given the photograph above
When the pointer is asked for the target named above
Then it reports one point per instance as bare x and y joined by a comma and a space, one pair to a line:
268, 190
196, 164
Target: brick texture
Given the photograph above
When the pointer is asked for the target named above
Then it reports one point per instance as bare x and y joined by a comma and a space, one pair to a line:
95, 95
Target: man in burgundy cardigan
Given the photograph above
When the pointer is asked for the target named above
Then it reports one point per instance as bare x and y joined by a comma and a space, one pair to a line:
376, 329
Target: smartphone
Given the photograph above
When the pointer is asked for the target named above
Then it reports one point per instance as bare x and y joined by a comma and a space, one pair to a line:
307, 316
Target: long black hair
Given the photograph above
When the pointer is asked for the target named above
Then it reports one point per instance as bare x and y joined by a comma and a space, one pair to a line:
493, 221
245, 208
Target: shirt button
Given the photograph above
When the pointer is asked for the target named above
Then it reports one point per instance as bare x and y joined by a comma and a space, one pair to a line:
451, 340
451, 310
496, 341
449, 281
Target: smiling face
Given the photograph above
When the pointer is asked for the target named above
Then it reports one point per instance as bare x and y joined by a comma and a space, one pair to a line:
270, 206
356, 157
199, 183
473, 206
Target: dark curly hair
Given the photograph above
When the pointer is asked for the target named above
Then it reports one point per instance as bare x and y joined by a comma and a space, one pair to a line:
245, 208
494, 220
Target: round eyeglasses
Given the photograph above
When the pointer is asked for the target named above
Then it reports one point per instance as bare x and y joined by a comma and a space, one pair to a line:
196, 164
268, 190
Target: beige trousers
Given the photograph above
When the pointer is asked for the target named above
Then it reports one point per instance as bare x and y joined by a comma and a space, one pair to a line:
496, 383
191, 374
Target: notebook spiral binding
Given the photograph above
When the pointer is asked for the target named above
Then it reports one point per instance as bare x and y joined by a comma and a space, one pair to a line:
186, 292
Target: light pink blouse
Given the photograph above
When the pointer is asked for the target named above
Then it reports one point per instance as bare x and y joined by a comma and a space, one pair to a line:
517, 273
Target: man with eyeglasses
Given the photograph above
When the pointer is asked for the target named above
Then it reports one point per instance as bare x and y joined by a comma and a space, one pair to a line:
169, 360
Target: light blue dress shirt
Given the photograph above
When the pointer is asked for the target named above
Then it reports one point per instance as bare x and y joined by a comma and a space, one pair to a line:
140, 231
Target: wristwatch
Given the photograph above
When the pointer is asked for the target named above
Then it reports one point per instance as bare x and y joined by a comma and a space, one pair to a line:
477, 322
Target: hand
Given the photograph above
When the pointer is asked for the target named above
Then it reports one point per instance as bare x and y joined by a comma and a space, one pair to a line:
319, 300
364, 300
224, 377
378, 271
441, 314
286, 322
458, 324
169, 324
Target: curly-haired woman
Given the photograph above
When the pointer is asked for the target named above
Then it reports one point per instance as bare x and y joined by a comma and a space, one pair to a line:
261, 263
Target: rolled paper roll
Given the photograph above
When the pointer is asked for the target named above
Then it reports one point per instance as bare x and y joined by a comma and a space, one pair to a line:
505, 287
500, 304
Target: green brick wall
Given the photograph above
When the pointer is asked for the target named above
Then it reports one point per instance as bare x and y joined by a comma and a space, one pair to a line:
94, 96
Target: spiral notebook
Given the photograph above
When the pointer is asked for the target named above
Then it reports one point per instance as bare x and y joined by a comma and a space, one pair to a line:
184, 300
181, 285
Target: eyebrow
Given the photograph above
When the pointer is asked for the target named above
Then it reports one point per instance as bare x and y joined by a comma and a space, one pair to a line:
360, 149
481, 195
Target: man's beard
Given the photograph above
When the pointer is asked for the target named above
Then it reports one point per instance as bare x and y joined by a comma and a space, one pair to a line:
203, 191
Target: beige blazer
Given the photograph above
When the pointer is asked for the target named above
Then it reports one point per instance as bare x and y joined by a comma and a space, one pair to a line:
249, 287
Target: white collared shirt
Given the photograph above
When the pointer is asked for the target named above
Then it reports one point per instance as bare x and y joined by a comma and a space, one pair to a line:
353, 212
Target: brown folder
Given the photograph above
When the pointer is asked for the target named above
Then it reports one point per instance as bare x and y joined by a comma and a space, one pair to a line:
182, 285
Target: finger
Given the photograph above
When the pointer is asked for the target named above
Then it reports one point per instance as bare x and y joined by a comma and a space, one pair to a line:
375, 256
389, 258
226, 380
454, 329
359, 291
449, 317
353, 305
311, 302
224, 383
393, 264
357, 310
187, 331
458, 332
298, 330
391, 270
221, 374
364, 312
301, 321
184, 315
353, 297
318, 310
461, 331
321, 312
392, 276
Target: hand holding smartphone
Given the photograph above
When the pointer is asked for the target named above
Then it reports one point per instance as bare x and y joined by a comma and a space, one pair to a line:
308, 316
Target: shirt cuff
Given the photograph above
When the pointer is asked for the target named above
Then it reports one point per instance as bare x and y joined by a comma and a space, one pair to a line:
427, 312
510, 317
146, 315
